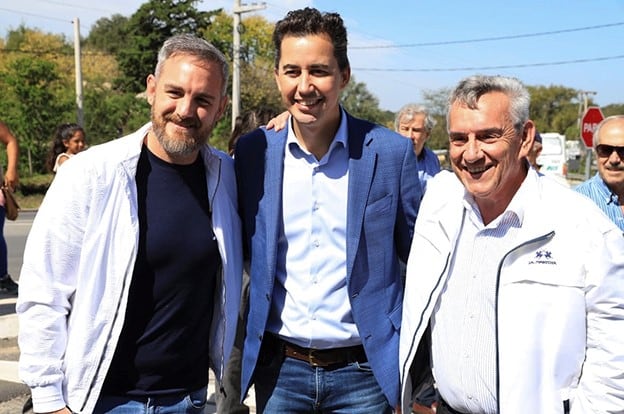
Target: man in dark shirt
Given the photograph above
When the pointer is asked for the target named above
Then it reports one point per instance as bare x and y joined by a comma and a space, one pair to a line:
132, 271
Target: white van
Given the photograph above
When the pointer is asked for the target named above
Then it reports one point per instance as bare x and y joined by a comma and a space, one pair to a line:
553, 159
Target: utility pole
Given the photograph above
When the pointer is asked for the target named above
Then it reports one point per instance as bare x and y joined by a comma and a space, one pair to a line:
237, 11
583, 103
79, 109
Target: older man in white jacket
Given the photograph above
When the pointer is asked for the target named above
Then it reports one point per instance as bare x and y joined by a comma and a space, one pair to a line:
514, 297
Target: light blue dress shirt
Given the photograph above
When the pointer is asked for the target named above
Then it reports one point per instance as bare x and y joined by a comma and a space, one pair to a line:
311, 306
428, 166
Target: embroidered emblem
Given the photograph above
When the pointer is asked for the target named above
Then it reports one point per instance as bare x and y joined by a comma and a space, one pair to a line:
543, 257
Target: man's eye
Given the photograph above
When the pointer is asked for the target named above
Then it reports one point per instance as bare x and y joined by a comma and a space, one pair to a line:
489, 138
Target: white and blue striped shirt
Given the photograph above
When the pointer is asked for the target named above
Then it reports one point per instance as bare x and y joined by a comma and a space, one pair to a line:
596, 189
463, 325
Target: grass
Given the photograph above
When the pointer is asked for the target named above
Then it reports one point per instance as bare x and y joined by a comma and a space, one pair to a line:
31, 190
29, 202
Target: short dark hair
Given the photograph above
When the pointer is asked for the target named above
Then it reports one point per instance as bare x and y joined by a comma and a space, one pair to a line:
310, 21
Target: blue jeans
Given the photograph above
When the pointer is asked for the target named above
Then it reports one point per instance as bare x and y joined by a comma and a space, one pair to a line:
193, 403
287, 385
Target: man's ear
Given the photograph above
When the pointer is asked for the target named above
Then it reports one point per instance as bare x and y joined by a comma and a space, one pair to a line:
528, 136
223, 106
346, 77
150, 89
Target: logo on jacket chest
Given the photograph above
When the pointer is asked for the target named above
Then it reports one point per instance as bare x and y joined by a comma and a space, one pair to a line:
543, 257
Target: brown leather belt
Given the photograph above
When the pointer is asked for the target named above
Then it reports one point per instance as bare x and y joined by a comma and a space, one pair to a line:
323, 357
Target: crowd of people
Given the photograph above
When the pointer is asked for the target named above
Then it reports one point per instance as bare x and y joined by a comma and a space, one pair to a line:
325, 260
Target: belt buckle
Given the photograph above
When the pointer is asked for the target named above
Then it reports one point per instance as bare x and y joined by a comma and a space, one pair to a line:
312, 358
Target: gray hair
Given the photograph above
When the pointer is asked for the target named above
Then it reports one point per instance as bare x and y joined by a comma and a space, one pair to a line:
596, 137
188, 44
470, 89
410, 110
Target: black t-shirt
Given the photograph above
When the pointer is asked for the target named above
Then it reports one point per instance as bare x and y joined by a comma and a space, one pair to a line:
163, 347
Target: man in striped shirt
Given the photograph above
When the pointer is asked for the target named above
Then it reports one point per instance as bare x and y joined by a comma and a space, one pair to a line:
606, 188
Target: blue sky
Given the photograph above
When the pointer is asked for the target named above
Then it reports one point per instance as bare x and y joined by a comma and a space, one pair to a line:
547, 42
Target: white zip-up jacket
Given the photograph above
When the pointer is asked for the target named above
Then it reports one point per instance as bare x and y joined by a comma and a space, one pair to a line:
78, 264
559, 320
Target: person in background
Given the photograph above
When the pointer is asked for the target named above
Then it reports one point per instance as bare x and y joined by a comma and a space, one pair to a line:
328, 206
414, 121
249, 121
10, 179
228, 398
606, 188
514, 295
535, 151
132, 269
69, 140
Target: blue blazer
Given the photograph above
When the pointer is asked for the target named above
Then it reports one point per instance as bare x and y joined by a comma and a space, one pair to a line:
383, 199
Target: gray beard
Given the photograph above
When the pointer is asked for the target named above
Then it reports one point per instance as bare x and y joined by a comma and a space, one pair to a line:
177, 147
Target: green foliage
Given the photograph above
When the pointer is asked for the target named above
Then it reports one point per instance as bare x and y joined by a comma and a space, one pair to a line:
555, 109
613, 109
113, 114
145, 32
36, 184
36, 101
437, 103
108, 34
359, 102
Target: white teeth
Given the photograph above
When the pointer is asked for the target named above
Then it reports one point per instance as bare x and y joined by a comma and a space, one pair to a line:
307, 103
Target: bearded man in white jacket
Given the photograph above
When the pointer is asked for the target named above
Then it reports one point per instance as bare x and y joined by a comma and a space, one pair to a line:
514, 298
131, 280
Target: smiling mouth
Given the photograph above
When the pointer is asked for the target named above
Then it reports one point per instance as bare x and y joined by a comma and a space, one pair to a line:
308, 102
476, 170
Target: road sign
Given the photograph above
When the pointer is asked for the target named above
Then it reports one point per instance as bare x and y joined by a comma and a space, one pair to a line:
591, 119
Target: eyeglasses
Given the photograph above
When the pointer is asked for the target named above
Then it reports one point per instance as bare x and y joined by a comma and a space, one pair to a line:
604, 151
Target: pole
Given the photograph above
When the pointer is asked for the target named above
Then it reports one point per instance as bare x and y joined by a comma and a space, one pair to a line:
584, 101
237, 11
236, 64
79, 109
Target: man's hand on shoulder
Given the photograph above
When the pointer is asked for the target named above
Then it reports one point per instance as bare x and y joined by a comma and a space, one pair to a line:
279, 122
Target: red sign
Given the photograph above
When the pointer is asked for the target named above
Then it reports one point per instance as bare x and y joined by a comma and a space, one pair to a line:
591, 119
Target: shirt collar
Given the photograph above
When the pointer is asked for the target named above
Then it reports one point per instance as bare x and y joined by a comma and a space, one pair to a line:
515, 208
605, 192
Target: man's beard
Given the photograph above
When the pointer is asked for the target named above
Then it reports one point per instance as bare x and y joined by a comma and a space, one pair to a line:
183, 144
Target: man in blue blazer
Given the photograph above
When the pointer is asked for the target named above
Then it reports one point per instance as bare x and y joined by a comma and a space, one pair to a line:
328, 206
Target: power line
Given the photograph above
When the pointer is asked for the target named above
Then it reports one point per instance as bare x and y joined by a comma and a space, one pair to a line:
476, 68
36, 15
490, 39
75, 6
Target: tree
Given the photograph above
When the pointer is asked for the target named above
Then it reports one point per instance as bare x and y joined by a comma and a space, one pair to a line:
146, 31
436, 102
359, 102
555, 109
108, 34
32, 84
